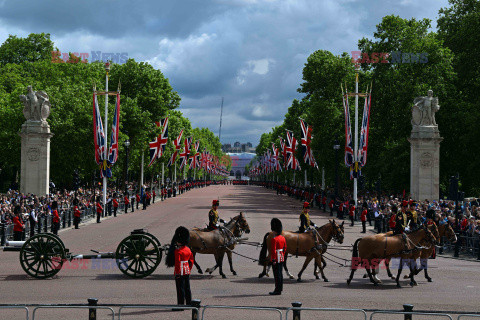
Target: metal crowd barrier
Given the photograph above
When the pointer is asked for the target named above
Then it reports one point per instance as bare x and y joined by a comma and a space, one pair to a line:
241, 308
408, 314
16, 307
158, 307
295, 312
90, 310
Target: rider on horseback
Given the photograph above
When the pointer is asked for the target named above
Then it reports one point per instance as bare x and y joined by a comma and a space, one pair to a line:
305, 221
213, 218
411, 221
399, 220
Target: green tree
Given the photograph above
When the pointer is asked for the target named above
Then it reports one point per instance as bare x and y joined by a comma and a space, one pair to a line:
35, 47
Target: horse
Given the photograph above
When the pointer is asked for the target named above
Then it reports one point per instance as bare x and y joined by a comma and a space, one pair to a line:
218, 242
412, 256
311, 244
371, 250
444, 230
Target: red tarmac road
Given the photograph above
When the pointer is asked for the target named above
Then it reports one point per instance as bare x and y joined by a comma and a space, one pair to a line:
455, 286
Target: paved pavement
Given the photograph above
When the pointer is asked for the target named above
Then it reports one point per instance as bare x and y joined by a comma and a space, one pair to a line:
455, 286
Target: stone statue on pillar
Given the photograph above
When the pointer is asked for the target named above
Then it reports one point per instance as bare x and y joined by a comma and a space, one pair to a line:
35, 133
425, 149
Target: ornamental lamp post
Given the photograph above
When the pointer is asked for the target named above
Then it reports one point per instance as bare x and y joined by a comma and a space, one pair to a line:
336, 147
127, 144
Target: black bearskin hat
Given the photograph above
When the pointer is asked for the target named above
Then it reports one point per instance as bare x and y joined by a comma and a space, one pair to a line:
182, 235
54, 205
394, 209
430, 213
276, 225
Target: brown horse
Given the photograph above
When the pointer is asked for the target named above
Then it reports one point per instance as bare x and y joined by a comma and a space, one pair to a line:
218, 242
311, 244
411, 256
444, 230
370, 251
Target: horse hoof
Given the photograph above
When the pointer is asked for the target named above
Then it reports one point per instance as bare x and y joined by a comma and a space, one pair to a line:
415, 283
209, 271
299, 280
325, 280
379, 281
406, 276
375, 284
234, 273
412, 283
398, 285
392, 277
348, 281
261, 275
317, 277
224, 276
200, 271
364, 276
292, 277
429, 280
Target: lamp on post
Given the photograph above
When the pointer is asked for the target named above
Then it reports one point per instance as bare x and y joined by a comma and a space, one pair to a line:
336, 147
127, 144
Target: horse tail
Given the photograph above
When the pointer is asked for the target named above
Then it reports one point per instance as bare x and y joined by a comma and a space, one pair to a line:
263, 253
355, 248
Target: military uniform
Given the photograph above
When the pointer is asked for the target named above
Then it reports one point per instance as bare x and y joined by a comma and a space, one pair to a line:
305, 221
213, 218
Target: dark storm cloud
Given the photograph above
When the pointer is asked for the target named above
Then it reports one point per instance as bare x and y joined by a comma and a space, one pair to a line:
251, 52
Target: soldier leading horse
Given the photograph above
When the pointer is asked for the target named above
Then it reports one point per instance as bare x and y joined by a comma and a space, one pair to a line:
311, 244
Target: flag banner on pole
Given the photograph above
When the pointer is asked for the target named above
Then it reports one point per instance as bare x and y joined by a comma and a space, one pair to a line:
276, 157
349, 159
363, 146
284, 152
113, 150
177, 144
291, 147
157, 146
186, 151
306, 141
99, 141
194, 161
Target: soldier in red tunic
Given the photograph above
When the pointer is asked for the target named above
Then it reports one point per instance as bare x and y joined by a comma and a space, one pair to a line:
363, 218
55, 218
278, 248
18, 225
180, 256
125, 201
99, 209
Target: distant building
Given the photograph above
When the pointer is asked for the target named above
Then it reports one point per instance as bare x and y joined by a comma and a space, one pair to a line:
239, 161
238, 147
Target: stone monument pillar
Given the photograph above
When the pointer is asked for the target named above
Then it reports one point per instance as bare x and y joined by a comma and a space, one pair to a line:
35, 133
425, 149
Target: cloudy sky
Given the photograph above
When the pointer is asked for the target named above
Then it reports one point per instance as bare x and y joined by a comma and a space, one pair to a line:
251, 52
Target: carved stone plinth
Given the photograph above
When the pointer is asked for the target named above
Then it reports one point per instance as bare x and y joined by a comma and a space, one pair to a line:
425, 163
35, 158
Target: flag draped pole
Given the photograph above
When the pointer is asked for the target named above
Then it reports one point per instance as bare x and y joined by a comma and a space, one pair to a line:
355, 154
107, 69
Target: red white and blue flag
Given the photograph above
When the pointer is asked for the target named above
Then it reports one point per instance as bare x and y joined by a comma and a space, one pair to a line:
186, 151
349, 157
98, 133
363, 146
306, 141
177, 145
276, 158
284, 152
157, 146
291, 147
194, 161
113, 150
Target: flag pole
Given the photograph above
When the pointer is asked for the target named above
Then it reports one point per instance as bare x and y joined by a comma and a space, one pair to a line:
163, 172
105, 181
355, 154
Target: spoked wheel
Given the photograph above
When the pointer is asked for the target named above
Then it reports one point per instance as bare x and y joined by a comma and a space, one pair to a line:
42, 256
138, 255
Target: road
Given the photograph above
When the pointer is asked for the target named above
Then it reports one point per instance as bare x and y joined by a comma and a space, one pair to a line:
455, 286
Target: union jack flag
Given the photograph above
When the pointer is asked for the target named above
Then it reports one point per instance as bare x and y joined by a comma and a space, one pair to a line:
98, 133
291, 147
113, 150
186, 151
157, 146
362, 148
349, 153
284, 152
194, 161
177, 145
276, 158
306, 140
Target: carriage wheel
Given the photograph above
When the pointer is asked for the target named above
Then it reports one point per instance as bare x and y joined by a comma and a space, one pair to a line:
42, 256
160, 249
138, 255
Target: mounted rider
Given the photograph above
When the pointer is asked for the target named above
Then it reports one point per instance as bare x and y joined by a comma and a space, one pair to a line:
213, 218
305, 221
399, 220
411, 214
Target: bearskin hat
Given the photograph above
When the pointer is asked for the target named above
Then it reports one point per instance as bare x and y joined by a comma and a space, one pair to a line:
394, 209
430, 213
182, 235
276, 225
54, 205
